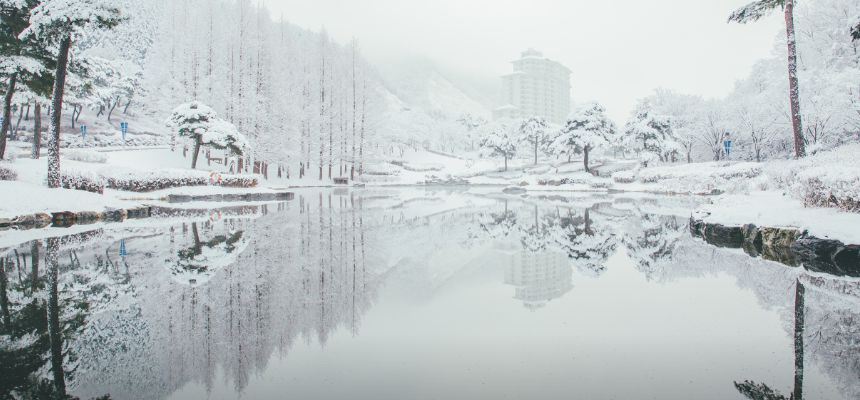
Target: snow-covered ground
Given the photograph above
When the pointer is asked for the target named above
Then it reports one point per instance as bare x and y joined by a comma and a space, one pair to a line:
775, 193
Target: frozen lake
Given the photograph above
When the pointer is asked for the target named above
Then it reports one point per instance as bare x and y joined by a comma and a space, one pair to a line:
418, 294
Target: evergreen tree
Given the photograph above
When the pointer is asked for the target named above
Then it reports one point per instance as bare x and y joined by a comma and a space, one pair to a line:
59, 23
586, 129
650, 134
199, 123
753, 12
534, 131
24, 61
500, 142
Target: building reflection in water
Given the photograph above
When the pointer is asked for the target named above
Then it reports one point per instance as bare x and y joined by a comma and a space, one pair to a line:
537, 277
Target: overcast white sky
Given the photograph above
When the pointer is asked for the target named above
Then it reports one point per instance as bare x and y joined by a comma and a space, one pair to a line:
619, 50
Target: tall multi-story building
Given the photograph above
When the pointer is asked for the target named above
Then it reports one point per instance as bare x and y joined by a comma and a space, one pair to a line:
537, 87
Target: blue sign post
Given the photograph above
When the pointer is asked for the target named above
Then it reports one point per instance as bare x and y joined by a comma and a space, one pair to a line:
83, 131
727, 146
122, 252
123, 126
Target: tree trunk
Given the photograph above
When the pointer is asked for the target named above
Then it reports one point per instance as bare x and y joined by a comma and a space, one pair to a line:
536, 148
196, 153
37, 131
34, 265
57, 112
18, 124
793, 85
7, 113
112, 107
55, 334
125, 110
799, 300
4, 298
506, 163
585, 158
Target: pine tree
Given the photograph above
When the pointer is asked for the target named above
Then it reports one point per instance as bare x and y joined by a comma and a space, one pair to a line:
753, 12
24, 61
59, 22
201, 124
586, 129
650, 134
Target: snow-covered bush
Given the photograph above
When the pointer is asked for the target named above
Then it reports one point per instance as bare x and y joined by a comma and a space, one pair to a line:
417, 167
628, 176
716, 171
147, 181
239, 181
7, 173
702, 178
82, 180
826, 179
381, 169
114, 140
86, 156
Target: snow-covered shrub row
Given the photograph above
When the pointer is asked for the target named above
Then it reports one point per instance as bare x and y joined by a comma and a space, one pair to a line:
7, 173
239, 181
698, 178
82, 180
381, 169
417, 167
95, 140
717, 170
147, 181
85, 156
827, 179
624, 176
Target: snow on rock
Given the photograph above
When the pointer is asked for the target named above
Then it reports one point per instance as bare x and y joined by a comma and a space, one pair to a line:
773, 209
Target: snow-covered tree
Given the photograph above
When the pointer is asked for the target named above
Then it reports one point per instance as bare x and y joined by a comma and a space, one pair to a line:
586, 129
23, 61
535, 132
500, 141
59, 23
200, 124
648, 132
753, 12
472, 124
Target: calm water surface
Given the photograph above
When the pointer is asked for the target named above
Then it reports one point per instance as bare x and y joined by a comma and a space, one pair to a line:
418, 294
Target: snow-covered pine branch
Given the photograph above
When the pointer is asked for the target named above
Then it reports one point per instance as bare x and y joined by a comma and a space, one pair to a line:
586, 129
200, 124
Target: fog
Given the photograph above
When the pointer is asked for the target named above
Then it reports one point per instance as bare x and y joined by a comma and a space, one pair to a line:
619, 50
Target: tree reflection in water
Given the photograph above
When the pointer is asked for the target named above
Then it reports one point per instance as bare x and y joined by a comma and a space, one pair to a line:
302, 271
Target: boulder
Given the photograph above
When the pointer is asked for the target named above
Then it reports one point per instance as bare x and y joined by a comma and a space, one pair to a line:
88, 217
114, 215
819, 255
39, 220
723, 236
64, 218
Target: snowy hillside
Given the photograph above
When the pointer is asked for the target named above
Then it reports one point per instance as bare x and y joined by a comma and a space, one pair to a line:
420, 84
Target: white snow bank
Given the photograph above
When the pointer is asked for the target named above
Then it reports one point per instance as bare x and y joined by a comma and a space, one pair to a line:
773, 209
25, 198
